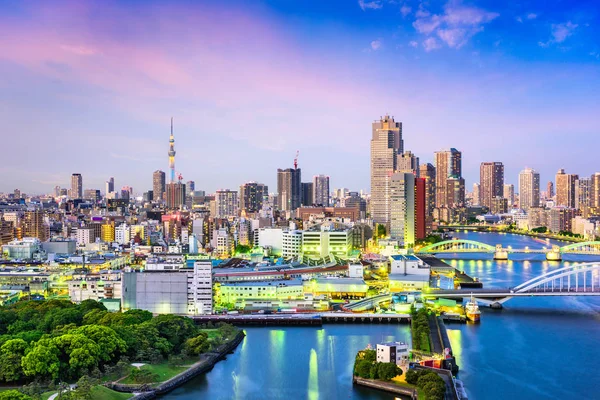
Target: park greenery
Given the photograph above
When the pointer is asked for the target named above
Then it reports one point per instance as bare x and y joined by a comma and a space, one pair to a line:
430, 385
47, 343
420, 329
366, 366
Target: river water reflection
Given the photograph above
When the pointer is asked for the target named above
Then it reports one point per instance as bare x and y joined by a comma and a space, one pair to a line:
535, 348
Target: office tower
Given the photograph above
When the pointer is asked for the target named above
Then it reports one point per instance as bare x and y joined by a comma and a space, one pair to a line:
355, 201
92, 194
56, 191
175, 195
386, 145
148, 196
448, 164
509, 194
252, 196
499, 205
402, 207
158, 185
172, 154
289, 189
476, 200
583, 193
109, 186
420, 208
190, 186
321, 190
76, 186
529, 189
595, 190
408, 162
565, 189
226, 203
34, 225
427, 171
491, 182
307, 194
550, 190
455, 192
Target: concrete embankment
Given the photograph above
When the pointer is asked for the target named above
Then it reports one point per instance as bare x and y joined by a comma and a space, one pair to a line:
206, 363
386, 387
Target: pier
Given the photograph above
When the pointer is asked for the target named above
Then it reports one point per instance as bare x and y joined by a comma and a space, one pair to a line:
304, 319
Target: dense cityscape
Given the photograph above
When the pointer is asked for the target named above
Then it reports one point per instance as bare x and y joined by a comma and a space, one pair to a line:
159, 240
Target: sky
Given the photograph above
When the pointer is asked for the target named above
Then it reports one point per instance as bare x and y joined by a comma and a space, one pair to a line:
90, 87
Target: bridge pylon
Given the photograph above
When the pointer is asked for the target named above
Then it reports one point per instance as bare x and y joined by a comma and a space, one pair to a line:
554, 254
500, 253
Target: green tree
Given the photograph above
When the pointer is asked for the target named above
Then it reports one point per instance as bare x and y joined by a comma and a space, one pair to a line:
369, 355
143, 375
411, 376
42, 360
175, 329
387, 371
85, 384
197, 345
109, 343
11, 354
13, 395
362, 368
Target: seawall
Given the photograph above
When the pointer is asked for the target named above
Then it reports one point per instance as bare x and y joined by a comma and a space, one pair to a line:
385, 386
206, 363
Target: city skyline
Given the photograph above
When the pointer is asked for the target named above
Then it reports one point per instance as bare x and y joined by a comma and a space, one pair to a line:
102, 87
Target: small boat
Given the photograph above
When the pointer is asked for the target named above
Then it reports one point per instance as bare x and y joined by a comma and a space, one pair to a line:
472, 310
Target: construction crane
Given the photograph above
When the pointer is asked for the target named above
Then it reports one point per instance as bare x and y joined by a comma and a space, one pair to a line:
296, 159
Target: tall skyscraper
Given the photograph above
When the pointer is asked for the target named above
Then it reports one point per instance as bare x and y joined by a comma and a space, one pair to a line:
56, 191
509, 194
491, 182
172, 154
226, 203
289, 189
402, 206
421, 217
307, 197
408, 162
158, 185
448, 164
190, 186
109, 186
34, 225
386, 145
321, 190
252, 196
76, 186
565, 189
455, 192
529, 189
583, 193
427, 171
476, 194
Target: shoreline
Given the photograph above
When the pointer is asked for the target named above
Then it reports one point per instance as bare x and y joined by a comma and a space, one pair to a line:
205, 364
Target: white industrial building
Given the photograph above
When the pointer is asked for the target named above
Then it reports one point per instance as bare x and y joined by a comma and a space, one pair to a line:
273, 290
25, 249
408, 272
396, 352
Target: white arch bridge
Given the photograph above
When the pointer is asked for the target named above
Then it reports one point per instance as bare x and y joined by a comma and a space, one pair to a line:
574, 280
553, 253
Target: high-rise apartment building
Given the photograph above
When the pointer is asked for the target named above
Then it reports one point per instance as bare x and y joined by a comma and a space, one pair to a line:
408, 162
175, 195
226, 203
190, 186
565, 189
529, 189
289, 189
550, 190
491, 182
76, 186
158, 185
583, 193
386, 145
34, 226
252, 196
455, 192
476, 199
509, 194
427, 171
421, 217
321, 190
448, 164
595, 190
402, 206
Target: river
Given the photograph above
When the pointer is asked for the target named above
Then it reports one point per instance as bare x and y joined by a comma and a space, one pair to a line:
535, 348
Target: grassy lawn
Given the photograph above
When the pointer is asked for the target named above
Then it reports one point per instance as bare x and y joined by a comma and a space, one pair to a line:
163, 370
46, 395
103, 393
212, 333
